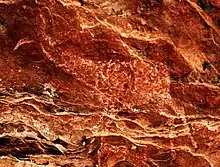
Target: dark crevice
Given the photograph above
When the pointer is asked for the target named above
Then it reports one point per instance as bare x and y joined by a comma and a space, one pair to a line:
41, 136
85, 141
82, 2
19, 154
45, 163
205, 5
34, 89
206, 65
61, 110
2, 22
52, 150
173, 78
10, 141
61, 142
159, 1
21, 148
203, 106
123, 114
97, 144
4, 141
21, 151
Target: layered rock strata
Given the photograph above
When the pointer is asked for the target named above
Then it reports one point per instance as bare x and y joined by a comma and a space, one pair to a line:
110, 83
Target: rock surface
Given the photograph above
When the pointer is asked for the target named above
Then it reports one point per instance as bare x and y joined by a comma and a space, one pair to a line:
109, 83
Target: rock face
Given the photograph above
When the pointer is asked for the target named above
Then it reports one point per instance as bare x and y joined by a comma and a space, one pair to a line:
110, 83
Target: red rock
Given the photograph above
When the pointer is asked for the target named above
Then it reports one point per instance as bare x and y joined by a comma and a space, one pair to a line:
109, 83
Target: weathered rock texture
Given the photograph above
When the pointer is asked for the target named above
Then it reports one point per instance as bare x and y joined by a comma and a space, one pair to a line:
110, 83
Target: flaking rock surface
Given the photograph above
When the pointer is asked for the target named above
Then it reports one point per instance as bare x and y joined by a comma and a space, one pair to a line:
109, 83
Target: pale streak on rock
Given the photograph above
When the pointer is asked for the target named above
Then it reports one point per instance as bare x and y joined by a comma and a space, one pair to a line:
22, 42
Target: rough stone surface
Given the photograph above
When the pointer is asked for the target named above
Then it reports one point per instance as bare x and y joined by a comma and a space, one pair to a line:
109, 83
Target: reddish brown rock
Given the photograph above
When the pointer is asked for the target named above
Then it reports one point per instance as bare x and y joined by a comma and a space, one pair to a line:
109, 83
